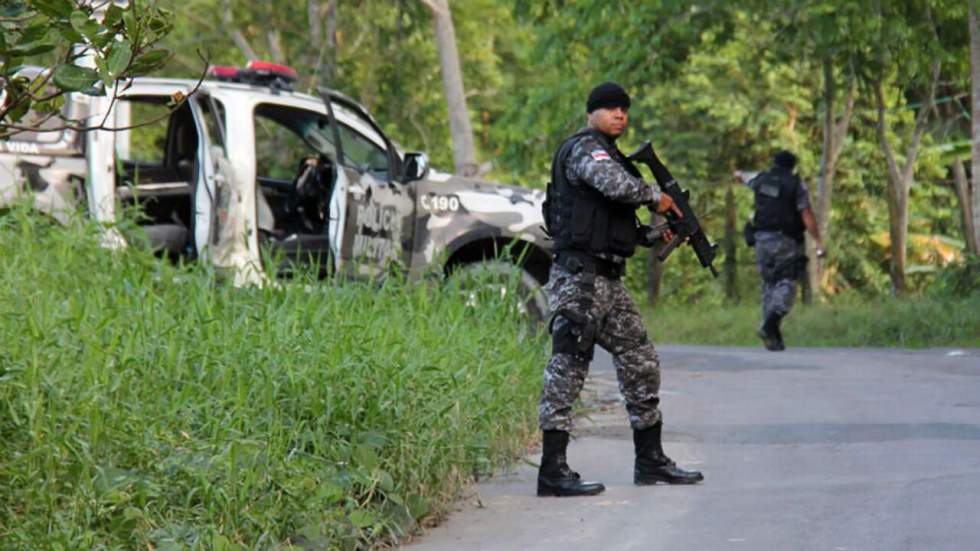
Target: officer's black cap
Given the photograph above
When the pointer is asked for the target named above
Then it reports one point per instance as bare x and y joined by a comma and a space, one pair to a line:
607, 94
784, 159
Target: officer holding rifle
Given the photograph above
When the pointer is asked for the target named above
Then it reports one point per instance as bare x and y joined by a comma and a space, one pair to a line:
591, 213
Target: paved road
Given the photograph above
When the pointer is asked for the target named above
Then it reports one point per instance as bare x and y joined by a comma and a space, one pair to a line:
822, 449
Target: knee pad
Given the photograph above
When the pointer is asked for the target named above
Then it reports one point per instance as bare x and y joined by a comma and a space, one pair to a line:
573, 334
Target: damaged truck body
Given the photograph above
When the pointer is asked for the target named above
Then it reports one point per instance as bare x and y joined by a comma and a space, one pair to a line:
245, 167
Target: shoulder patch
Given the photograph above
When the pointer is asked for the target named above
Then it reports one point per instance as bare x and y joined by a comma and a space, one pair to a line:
600, 155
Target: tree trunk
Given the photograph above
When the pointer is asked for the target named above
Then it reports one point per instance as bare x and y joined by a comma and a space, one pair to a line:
464, 150
236, 34
834, 133
964, 195
731, 235
898, 228
975, 115
900, 179
322, 54
275, 46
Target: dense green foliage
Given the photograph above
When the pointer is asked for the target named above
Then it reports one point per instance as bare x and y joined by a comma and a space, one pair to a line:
716, 87
144, 406
85, 44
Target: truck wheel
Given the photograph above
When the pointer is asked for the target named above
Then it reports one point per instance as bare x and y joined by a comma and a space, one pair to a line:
500, 276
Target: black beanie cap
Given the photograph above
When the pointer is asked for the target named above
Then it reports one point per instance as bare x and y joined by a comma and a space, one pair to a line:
784, 159
607, 94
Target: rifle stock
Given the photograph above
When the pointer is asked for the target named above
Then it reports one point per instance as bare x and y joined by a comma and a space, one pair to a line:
686, 228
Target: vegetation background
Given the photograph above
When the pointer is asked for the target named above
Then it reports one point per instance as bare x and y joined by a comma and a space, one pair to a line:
873, 96
717, 87
144, 405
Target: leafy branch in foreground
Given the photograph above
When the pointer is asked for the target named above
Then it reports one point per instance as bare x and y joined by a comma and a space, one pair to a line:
89, 46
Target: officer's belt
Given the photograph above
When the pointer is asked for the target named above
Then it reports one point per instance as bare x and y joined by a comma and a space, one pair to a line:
576, 262
798, 237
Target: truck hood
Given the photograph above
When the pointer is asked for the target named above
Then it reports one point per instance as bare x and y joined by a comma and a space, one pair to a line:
515, 210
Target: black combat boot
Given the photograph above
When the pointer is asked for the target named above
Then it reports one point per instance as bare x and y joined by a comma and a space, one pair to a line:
652, 465
771, 337
554, 476
780, 345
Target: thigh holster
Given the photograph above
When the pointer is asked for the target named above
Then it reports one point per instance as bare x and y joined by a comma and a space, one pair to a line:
573, 333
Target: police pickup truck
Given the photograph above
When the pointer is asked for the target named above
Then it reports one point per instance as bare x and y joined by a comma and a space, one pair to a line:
246, 166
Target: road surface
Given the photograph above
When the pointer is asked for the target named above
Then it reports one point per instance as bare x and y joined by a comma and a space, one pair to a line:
822, 449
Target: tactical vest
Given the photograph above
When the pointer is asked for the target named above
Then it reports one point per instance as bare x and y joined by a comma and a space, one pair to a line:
579, 218
775, 203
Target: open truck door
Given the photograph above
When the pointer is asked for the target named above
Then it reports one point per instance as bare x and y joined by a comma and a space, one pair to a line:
231, 207
379, 224
163, 166
100, 170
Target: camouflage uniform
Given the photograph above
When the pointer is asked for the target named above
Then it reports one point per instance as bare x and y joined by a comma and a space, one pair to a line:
618, 326
780, 259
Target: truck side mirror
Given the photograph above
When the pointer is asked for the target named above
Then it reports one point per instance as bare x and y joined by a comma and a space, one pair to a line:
415, 166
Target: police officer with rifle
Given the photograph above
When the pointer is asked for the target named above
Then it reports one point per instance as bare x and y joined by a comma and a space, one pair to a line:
591, 213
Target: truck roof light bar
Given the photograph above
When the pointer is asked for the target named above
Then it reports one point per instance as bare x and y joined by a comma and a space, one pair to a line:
269, 69
224, 73
257, 73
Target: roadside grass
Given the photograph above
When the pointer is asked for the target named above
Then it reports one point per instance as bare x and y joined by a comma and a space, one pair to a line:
917, 322
146, 406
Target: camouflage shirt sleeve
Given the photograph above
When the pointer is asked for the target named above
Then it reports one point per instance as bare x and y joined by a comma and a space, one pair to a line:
802, 196
591, 164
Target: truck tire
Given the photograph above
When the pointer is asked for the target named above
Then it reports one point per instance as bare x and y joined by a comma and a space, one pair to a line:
531, 301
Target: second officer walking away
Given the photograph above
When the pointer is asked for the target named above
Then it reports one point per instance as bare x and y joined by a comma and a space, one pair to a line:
782, 212
591, 213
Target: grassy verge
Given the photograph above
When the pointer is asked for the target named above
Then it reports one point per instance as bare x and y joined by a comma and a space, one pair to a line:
145, 406
908, 323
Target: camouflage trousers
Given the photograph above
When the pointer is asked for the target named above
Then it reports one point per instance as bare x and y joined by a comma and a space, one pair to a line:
780, 260
589, 310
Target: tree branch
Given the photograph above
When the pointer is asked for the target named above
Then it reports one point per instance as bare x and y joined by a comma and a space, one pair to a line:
313, 19
921, 118
101, 126
840, 128
882, 134
21, 19
236, 35
433, 7
275, 45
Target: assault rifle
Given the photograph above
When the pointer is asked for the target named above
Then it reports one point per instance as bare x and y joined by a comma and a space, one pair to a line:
686, 228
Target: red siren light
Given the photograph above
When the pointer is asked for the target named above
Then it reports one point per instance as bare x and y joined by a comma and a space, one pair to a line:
269, 69
258, 73
224, 72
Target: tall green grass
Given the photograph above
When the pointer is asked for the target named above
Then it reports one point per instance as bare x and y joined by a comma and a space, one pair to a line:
926, 321
144, 405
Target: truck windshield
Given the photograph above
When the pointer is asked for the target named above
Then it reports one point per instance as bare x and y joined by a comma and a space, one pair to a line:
284, 136
360, 151
313, 128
